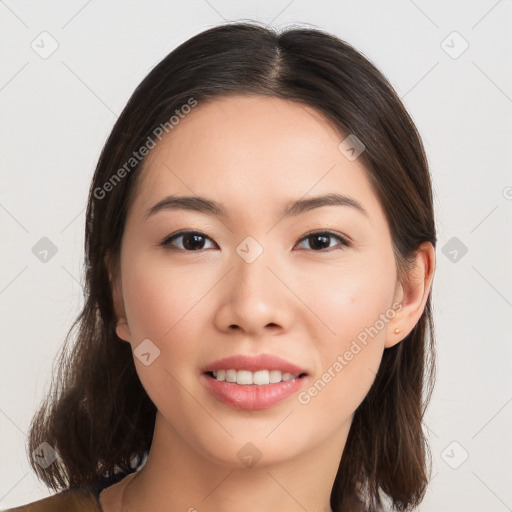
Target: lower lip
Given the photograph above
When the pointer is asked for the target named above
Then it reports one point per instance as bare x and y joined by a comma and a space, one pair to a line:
251, 396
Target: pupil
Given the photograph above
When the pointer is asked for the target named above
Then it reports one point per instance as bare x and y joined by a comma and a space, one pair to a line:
196, 244
320, 237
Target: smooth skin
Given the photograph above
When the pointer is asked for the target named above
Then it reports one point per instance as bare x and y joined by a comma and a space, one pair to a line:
303, 302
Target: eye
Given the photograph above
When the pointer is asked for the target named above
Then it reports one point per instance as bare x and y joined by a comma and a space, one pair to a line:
192, 241
321, 239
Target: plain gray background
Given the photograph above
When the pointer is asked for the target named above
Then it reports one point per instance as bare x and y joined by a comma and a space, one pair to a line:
57, 110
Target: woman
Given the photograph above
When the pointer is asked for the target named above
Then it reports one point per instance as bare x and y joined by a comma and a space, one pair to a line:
257, 331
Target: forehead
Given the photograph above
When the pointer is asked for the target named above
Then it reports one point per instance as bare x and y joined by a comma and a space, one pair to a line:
249, 151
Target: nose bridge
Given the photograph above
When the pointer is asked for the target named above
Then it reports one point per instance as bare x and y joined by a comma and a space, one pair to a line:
255, 294
251, 260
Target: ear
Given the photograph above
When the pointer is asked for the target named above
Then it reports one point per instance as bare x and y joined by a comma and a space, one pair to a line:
114, 275
412, 294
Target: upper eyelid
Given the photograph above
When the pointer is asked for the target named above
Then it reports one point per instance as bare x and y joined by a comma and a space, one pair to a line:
185, 232
345, 240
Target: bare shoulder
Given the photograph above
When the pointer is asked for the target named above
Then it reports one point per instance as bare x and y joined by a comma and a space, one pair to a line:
72, 500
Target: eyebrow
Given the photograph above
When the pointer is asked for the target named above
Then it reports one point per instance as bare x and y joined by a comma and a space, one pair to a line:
210, 207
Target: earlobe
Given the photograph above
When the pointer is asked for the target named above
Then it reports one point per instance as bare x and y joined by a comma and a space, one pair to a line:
122, 328
413, 295
123, 331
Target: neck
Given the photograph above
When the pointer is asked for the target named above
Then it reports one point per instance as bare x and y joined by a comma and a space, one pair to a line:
177, 477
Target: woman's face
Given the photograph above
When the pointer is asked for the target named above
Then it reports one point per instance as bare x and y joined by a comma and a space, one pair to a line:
253, 282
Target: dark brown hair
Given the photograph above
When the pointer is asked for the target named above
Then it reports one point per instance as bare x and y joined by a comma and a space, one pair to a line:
97, 415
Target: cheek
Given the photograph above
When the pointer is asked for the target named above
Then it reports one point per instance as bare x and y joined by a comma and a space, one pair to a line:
350, 298
164, 304
353, 304
160, 299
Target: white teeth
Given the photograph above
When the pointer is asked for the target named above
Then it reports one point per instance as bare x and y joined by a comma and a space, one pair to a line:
275, 376
243, 377
231, 375
258, 378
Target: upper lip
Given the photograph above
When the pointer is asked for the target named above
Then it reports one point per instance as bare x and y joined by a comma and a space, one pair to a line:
254, 363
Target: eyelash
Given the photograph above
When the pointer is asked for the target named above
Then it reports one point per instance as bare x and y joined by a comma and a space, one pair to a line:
344, 242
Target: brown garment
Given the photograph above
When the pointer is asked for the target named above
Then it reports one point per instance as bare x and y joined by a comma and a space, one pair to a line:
70, 500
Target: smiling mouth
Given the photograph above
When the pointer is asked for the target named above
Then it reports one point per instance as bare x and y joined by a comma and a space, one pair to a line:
257, 378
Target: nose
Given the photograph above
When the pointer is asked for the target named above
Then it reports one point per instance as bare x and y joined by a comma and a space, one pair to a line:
254, 298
